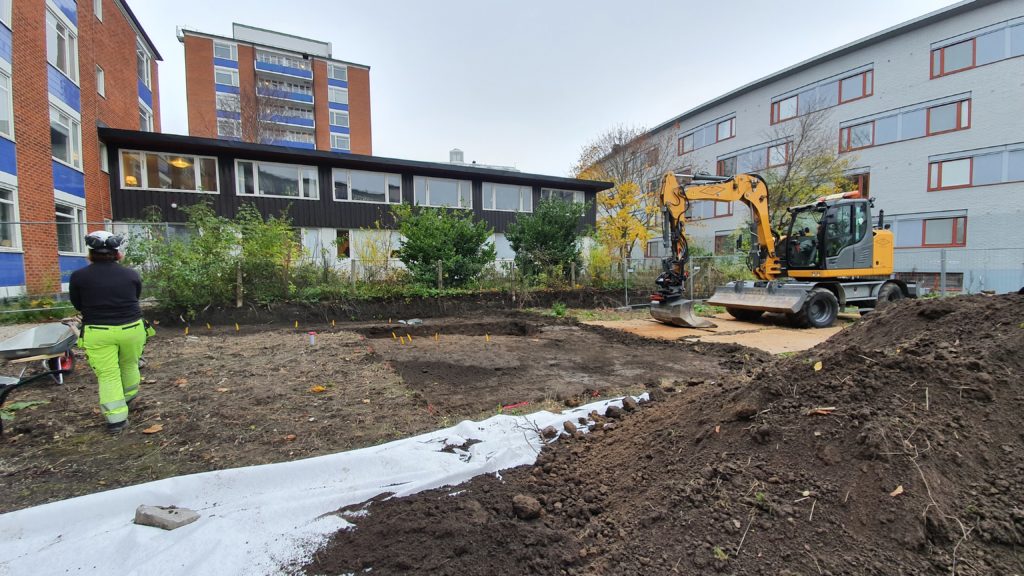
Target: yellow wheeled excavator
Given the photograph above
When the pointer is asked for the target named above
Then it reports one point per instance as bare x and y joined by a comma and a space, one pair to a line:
830, 256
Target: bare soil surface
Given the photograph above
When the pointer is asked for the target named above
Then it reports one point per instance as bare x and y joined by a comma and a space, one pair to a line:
895, 447
220, 398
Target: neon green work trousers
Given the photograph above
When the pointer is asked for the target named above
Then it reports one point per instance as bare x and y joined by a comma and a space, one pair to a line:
113, 353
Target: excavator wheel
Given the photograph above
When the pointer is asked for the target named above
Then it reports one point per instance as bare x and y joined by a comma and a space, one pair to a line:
820, 310
744, 314
889, 292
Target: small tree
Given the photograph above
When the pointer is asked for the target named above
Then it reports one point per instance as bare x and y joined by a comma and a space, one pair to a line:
448, 235
547, 239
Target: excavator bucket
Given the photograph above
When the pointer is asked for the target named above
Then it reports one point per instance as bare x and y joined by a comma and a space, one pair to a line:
679, 312
768, 298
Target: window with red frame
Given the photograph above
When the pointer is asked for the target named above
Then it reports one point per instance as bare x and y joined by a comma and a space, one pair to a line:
726, 166
856, 87
953, 58
948, 174
861, 183
784, 109
949, 117
857, 137
705, 209
944, 232
726, 129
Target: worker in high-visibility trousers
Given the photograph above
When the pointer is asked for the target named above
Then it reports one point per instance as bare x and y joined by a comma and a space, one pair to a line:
113, 332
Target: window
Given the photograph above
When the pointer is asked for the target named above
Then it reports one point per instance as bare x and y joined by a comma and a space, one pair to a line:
225, 51
953, 58
722, 244
104, 158
337, 72
342, 241
296, 136
8, 217
339, 118
161, 171
778, 155
442, 192
97, 9
358, 186
70, 228
726, 129
949, 117
949, 174
101, 82
270, 179
341, 142
507, 197
61, 47
228, 128
945, 232
145, 119
142, 61
856, 87
5, 12
895, 126
65, 138
856, 137
704, 209
824, 94
6, 106
228, 102
225, 76
337, 95
562, 195
860, 182
273, 87
727, 166
282, 60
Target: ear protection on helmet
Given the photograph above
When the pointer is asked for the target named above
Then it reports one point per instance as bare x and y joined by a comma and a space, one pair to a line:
103, 241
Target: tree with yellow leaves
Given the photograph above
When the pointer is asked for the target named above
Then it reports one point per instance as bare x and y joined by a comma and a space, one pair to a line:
634, 161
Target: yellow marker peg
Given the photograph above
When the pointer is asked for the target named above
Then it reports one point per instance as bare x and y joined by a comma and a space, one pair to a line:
435, 337
393, 337
409, 336
186, 330
236, 327
296, 323
487, 337
208, 327
332, 323
401, 339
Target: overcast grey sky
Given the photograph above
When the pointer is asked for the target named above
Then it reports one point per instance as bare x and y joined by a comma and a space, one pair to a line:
528, 82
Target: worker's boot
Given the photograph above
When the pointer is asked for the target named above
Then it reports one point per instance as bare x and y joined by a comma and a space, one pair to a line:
117, 427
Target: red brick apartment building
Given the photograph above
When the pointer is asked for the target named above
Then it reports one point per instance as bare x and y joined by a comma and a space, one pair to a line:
66, 68
266, 87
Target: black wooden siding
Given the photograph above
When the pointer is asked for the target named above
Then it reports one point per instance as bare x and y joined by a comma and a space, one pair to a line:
132, 204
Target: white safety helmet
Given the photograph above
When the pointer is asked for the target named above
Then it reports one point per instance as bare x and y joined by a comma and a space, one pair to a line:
103, 242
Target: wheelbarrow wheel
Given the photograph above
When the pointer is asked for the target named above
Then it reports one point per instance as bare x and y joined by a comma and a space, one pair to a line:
64, 364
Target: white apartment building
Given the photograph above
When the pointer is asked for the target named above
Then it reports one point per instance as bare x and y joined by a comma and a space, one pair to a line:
931, 114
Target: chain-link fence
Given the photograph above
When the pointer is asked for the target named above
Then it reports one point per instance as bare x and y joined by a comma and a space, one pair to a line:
962, 270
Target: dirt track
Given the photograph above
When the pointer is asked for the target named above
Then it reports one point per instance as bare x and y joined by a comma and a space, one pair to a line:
900, 453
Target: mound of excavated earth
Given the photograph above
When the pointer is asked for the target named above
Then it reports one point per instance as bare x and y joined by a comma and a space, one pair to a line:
896, 447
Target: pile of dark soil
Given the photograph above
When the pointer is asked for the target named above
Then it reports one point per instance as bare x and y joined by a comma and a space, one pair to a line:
893, 448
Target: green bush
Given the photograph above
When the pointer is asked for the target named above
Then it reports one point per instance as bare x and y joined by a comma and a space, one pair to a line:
547, 241
451, 236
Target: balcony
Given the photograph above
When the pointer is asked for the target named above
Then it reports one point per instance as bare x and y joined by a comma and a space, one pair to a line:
284, 94
282, 70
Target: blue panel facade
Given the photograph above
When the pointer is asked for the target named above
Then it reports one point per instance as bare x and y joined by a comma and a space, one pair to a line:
8, 157
337, 106
68, 180
226, 89
338, 83
5, 43
69, 264
69, 8
229, 114
292, 120
340, 151
225, 63
288, 70
12, 269
145, 94
340, 130
63, 88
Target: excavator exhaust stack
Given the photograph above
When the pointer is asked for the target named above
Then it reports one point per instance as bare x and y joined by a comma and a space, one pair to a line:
678, 312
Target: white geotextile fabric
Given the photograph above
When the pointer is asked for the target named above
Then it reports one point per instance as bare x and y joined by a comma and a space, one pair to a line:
260, 519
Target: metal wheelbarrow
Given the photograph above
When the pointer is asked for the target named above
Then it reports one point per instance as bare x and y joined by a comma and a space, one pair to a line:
50, 344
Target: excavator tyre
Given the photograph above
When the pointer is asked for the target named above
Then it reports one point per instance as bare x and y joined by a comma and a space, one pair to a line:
766, 297
679, 312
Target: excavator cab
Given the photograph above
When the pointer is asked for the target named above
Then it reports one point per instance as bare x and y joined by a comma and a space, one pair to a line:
829, 235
